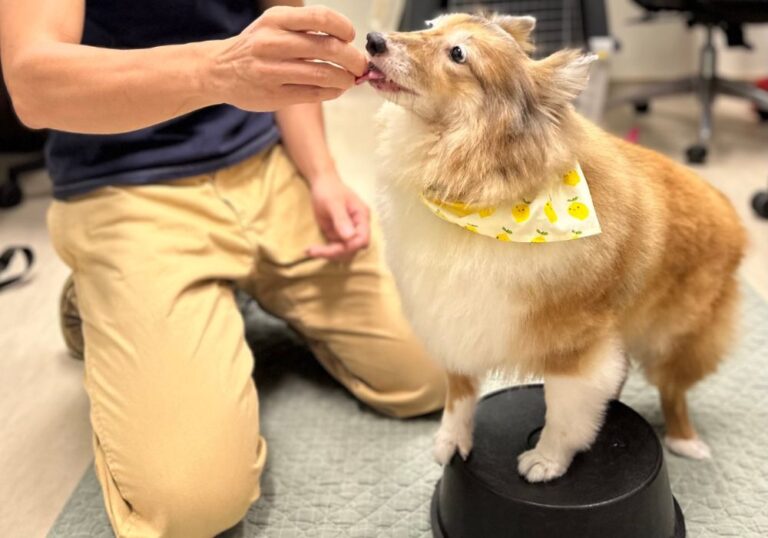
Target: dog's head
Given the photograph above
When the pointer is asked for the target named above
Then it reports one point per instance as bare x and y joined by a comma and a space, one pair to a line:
471, 66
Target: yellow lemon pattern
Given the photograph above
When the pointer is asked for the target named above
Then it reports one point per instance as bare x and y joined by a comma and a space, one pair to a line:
522, 211
457, 208
460, 209
563, 211
541, 237
578, 210
572, 178
549, 211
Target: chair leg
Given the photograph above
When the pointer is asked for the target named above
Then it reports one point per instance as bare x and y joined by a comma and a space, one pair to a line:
744, 90
706, 99
10, 191
10, 194
706, 91
643, 93
16, 170
697, 154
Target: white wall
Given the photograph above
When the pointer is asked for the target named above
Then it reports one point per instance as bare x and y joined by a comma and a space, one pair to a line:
666, 48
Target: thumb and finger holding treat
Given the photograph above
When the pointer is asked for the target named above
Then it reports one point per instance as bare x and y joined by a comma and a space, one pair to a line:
327, 37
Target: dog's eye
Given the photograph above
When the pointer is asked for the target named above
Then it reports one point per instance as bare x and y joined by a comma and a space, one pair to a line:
459, 54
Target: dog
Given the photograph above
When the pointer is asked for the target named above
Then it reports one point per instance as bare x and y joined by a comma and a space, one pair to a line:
640, 263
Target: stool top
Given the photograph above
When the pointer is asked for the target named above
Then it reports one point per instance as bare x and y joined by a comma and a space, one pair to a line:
625, 457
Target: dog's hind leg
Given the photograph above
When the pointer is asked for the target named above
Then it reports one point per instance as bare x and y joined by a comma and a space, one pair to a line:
689, 359
456, 427
681, 437
576, 403
693, 358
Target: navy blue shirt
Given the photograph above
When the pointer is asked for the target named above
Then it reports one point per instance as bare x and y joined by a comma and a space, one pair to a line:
196, 143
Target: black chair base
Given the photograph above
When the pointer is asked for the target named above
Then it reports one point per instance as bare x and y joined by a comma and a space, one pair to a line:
760, 204
697, 154
706, 86
11, 194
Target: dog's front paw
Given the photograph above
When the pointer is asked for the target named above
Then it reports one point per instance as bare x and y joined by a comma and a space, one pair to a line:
448, 440
536, 467
695, 448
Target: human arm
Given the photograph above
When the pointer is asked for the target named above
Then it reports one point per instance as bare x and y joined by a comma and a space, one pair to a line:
343, 218
55, 82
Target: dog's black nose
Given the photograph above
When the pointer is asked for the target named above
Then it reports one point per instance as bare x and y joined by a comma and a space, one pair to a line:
377, 44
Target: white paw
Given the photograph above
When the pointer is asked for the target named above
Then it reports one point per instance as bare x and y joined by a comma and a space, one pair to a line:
448, 440
688, 448
535, 467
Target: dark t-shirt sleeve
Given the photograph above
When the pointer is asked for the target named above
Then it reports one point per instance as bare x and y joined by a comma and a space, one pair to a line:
194, 144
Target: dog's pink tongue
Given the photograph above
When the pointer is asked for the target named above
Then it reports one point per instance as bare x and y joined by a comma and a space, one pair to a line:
371, 74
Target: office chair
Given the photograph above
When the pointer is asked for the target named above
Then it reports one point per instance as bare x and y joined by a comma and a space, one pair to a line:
727, 15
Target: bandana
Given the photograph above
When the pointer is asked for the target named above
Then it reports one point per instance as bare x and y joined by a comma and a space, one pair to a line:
563, 213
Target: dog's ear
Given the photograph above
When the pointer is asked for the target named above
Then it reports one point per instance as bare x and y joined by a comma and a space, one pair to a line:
561, 77
518, 27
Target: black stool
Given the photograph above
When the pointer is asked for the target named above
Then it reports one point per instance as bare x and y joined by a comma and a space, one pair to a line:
618, 488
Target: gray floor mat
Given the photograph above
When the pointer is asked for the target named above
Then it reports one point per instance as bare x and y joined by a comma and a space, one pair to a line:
338, 469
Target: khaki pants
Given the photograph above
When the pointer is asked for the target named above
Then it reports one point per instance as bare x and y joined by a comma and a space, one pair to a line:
173, 404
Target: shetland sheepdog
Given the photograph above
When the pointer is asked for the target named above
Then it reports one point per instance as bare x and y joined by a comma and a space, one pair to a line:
473, 125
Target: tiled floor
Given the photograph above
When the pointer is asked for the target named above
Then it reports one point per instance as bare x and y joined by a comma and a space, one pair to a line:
44, 428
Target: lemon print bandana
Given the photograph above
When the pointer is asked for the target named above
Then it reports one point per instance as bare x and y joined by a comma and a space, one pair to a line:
563, 213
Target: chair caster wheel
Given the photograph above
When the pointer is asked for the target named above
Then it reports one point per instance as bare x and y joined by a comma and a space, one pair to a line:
760, 204
696, 154
642, 107
10, 194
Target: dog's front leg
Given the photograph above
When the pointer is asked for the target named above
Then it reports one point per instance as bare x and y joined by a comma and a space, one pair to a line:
575, 409
458, 418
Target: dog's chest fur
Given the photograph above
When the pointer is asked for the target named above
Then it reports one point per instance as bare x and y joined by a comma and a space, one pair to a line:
467, 296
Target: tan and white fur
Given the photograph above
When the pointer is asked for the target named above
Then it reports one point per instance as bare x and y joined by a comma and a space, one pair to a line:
657, 285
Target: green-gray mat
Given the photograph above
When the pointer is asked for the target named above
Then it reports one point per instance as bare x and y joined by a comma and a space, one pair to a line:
338, 469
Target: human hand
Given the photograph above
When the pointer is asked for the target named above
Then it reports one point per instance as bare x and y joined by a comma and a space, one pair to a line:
344, 220
281, 59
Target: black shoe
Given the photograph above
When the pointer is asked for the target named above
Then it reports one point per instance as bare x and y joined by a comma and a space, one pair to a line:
71, 324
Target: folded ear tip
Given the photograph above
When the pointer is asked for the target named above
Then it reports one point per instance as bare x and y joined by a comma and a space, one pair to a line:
523, 21
586, 60
520, 27
528, 22
576, 57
